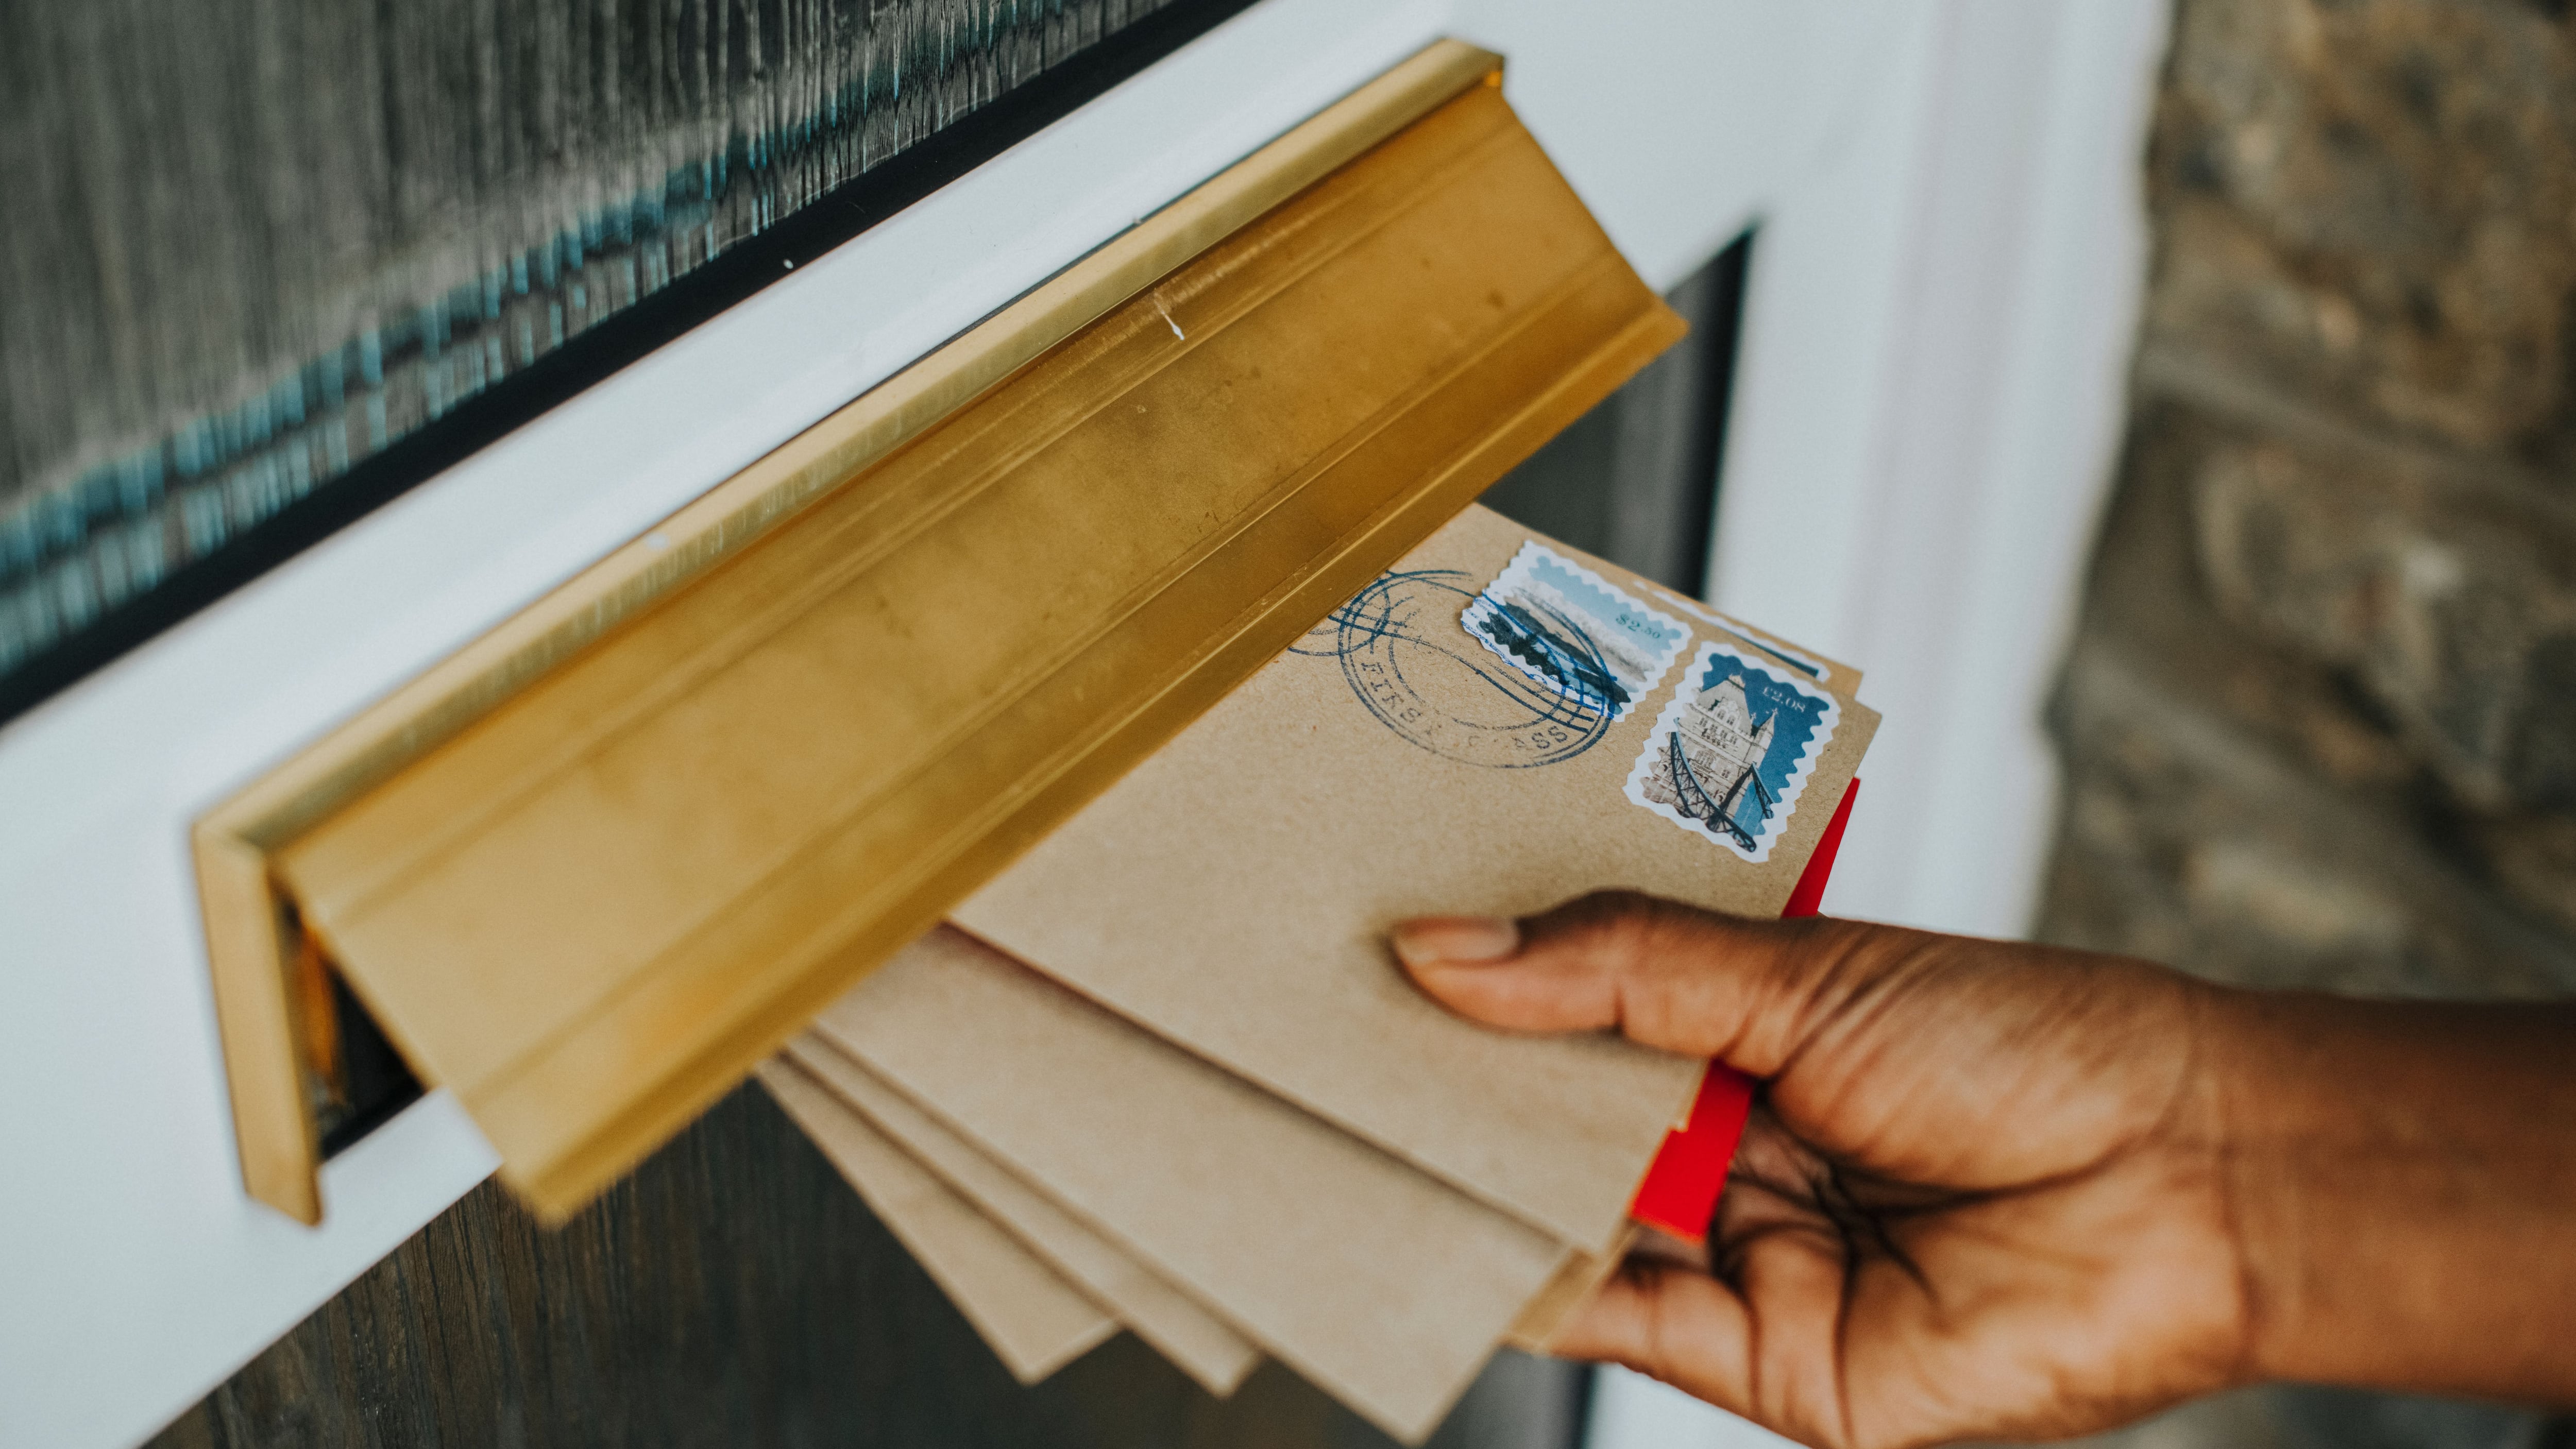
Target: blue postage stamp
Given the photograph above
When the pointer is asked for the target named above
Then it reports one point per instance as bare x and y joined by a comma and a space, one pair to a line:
1732, 751
1573, 632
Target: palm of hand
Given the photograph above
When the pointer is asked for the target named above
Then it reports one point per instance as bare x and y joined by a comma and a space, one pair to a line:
1930, 1232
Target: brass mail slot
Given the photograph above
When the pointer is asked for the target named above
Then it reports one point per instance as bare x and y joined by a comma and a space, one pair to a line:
589, 871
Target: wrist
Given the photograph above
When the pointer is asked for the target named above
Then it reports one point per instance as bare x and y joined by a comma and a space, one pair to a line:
2254, 1114
2394, 1183
2307, 1160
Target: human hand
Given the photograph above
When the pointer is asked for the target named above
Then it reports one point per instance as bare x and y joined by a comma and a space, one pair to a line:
1983, 1191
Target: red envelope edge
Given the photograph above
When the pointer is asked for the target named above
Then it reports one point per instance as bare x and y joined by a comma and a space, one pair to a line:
1681, 1187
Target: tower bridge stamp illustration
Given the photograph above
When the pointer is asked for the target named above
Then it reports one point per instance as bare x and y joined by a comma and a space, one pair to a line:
1573, 632
1731, 752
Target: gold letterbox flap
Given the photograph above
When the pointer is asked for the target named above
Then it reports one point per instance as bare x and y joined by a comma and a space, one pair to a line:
590, 871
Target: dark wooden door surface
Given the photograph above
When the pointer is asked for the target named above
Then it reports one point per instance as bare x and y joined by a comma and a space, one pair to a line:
734, 1293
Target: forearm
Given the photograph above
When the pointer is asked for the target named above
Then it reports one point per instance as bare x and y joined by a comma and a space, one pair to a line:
2402, 1179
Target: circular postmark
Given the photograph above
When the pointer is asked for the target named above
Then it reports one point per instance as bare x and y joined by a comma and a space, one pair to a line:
1410, 662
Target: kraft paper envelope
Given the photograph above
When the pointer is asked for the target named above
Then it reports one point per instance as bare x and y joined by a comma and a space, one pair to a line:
1196, 1340
1378, 1282
1034, 1321
1543, 1319
1232, 893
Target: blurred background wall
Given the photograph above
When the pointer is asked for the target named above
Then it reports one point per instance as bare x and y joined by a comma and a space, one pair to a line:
2318, 725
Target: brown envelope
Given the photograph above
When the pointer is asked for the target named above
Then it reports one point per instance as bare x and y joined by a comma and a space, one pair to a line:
1197, 1341
1232, 893
1034, 1321
1543, 1320
1376, 1281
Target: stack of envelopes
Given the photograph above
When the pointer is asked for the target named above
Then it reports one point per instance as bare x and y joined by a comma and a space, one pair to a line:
1163, 1073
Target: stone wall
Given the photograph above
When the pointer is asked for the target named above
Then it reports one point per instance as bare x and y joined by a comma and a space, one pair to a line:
2319, 722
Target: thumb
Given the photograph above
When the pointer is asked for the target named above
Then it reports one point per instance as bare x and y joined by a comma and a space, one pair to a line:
1665, 974
1671, 1323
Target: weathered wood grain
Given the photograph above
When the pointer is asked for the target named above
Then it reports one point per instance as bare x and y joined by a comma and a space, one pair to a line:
252, 243
732, 1293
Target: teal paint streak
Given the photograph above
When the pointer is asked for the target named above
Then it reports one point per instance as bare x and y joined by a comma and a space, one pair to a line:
252, 243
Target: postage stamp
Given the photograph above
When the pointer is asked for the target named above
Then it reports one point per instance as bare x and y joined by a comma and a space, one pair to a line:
1732, 750
1574, 632
1403, 651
